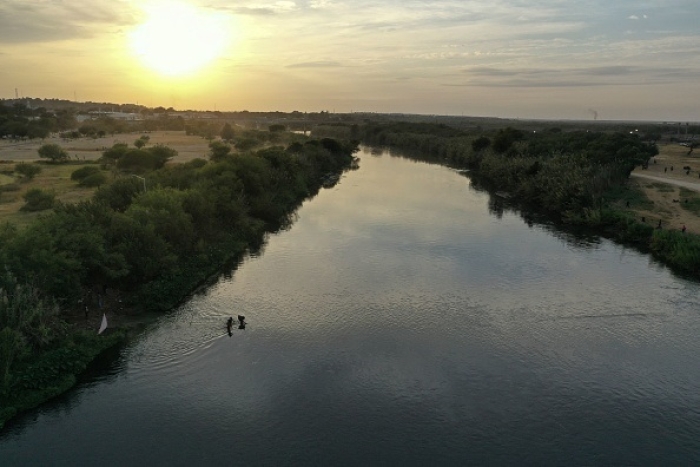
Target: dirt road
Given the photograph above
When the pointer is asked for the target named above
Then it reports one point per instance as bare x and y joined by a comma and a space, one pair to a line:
695, 186
665, 183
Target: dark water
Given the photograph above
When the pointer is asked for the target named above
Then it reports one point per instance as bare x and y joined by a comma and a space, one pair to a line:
400, 322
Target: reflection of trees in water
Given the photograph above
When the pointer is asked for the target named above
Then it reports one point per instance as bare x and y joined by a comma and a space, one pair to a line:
103, 370
256, 248
500, 204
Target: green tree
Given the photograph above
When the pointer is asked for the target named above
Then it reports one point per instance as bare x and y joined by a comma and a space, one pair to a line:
142, 141
53, 152
246, 144
162, 154
37, 200
83, 172
12, 346
218, 150
227, 133
480, 143
94, 180
138, 161
27, 171
505, 138
119, 194
114, 153
277, 128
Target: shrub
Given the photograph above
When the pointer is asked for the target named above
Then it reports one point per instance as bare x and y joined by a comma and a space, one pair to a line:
93, 180
83, 172
53, 152
138, 160
481, 143
28, 171
38, 200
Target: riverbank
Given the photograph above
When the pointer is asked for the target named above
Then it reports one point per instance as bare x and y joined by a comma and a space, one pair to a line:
674, 195
579, 178
129, 251
54, 371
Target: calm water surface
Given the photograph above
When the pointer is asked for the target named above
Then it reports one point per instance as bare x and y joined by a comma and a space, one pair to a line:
400, 322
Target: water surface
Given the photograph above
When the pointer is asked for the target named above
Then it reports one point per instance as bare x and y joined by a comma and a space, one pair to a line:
400, 322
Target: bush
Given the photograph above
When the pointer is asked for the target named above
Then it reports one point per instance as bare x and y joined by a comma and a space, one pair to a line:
93, 180
480, 143
83, 172
276, 128
247, 144
37, 200
138, 160
115, 152
119, 195
53, 152
28, 171
196, 163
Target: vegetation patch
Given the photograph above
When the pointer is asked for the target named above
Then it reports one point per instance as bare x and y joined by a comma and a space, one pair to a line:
53, 371
663, 187
150, 239
38, 200
84, 172
578, 177
630, 197
690, 200
9, 187
6, 178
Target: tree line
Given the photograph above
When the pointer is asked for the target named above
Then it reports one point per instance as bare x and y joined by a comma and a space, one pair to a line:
148, 239
573, 176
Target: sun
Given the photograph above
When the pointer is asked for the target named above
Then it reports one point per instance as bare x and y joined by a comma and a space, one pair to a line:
179, 39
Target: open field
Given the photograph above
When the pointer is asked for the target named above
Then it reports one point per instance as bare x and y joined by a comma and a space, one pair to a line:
53, 178
56, 177
668, 199
188, 147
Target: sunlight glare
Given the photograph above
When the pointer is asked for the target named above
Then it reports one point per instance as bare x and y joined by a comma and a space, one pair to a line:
179, 39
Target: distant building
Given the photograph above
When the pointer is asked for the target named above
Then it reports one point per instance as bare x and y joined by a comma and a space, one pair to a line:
115, 115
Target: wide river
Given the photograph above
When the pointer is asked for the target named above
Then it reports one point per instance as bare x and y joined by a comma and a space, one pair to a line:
403, 319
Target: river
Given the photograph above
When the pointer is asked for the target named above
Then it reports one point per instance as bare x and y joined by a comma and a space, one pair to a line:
400, 320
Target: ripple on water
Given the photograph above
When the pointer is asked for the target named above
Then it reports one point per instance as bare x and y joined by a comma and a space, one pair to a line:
397, 322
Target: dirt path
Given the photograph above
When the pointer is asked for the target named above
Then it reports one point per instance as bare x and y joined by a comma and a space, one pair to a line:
695, 186
665, 183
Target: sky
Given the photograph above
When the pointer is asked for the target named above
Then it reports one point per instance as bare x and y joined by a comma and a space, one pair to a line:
542, 59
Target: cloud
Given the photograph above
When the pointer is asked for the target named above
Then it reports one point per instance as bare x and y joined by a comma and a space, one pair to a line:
634, 17
265, 9
316, 4
318, 64
574, 77
45, 21
262, 11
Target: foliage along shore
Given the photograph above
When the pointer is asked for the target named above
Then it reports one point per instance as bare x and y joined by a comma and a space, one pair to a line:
145, 247
576, 177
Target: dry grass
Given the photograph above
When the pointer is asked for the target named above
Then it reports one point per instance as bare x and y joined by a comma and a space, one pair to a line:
56, 177
669, 200
188, 147
53, 178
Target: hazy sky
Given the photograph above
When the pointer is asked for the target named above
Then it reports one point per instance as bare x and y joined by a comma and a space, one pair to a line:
623, 59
